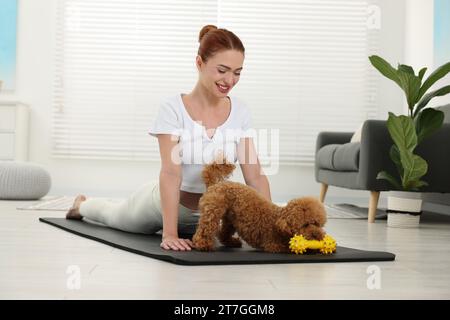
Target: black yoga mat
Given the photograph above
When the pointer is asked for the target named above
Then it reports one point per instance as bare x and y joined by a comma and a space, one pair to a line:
148, 245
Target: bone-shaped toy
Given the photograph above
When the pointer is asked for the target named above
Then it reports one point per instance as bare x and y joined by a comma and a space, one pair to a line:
299, 244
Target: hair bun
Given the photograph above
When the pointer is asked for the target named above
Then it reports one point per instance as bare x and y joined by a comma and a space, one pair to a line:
205, 30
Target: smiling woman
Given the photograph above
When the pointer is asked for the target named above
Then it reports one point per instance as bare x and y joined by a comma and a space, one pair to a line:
192, 130
220, 45
224, 127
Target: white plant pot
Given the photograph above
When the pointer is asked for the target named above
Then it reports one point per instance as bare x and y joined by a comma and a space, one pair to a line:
404, 212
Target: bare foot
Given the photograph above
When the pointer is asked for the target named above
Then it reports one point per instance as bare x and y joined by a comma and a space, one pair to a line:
74, 212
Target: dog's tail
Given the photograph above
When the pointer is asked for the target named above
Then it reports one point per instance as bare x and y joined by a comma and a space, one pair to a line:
217, 171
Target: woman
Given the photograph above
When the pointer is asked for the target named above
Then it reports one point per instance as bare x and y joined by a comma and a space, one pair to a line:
191, 130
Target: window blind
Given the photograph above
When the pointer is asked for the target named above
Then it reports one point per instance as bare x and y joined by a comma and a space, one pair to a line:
306, 70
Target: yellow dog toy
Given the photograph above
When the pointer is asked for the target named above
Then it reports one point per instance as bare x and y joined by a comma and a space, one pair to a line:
298, 244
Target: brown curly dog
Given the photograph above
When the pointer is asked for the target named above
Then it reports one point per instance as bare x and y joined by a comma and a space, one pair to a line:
227, 207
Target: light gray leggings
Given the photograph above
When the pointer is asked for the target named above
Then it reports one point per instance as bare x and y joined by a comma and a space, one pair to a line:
140, 213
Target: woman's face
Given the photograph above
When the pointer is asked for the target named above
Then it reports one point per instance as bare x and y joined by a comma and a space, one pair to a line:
221, 72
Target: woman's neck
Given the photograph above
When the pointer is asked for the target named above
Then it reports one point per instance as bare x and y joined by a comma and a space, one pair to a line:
204, 98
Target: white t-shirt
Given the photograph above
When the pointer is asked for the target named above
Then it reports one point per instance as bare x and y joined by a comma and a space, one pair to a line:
195, 147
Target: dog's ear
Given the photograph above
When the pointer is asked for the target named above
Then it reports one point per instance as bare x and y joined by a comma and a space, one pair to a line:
309, 209
285, 220
315, 211
282, 226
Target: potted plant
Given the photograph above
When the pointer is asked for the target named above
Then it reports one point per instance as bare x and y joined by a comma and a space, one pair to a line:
407, 132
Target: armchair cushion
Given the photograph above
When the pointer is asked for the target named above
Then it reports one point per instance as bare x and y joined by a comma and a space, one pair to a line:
325, 156
339, 157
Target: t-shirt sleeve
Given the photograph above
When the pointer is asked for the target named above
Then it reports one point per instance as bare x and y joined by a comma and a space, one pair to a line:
167, 121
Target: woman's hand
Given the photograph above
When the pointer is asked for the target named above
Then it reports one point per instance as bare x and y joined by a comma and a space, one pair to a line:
175, 243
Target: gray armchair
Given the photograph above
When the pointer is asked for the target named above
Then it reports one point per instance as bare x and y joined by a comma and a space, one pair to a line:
356, 165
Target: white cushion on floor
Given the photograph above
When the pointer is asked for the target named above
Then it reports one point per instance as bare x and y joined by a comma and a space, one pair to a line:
23, 181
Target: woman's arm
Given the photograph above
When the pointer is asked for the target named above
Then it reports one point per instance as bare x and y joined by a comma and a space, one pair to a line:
169, 181
261, 184
251, 168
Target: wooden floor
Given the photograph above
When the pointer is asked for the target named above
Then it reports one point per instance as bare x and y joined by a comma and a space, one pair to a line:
38, 261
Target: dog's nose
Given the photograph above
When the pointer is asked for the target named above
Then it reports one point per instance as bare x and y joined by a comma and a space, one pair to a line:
318, 234
312, 232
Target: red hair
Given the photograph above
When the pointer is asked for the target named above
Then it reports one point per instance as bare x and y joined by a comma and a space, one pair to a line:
213, 40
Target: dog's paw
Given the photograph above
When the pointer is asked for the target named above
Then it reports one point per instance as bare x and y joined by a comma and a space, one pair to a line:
203, 248
233, 242
275, 248
202, 245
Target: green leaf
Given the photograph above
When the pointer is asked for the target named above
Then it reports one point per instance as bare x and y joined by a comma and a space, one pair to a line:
422, 72
414, 167
435, 76
386, 176
417, 184
437, 93
385, 68
405, 68
402, 131
411, 86
428, 122
394, 154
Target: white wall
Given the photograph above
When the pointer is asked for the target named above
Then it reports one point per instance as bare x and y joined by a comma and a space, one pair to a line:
419, 23
118, 178
419, 53
419, 34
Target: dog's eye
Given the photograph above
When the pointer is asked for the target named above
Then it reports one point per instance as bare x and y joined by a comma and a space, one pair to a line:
316, 224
